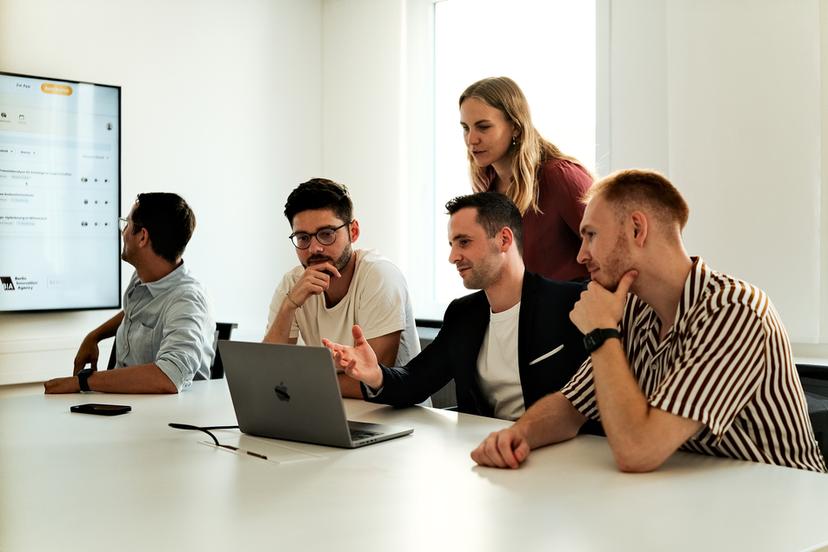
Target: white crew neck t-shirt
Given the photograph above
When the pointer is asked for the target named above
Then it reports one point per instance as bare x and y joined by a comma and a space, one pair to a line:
377, 300
497, 365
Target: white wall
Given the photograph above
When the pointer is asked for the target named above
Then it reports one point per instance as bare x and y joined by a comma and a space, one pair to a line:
220, 103
377, 122
636, 84
724, 97
363, 113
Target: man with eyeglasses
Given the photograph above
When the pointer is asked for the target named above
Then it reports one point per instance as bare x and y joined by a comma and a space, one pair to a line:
164, 335
337, 286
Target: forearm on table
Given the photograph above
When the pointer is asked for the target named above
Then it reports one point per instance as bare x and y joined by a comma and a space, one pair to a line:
550, 420
641, 436
141, 378
623, 407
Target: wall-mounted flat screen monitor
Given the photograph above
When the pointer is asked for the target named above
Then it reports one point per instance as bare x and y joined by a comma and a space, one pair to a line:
60, 185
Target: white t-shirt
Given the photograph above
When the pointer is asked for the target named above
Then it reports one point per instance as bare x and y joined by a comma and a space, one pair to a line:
377, 300
497, 365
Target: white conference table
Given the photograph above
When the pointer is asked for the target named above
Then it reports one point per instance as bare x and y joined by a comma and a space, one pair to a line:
80, 482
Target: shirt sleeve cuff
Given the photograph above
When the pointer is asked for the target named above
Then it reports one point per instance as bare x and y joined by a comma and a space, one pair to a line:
174, 373
370, 393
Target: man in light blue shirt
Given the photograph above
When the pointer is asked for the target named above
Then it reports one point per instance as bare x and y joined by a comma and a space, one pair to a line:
165, 334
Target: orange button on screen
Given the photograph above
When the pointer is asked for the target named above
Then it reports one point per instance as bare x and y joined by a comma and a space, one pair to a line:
52, 88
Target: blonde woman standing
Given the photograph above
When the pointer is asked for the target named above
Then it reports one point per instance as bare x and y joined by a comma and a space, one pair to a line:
508, 155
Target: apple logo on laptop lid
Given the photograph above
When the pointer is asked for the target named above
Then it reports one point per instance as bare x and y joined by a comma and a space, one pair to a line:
281, 391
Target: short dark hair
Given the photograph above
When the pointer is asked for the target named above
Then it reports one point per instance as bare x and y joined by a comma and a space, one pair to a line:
631, 188
494, 211
320, 193
169, 221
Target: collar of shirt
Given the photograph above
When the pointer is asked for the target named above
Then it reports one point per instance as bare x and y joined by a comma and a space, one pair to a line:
168, 282
693, 287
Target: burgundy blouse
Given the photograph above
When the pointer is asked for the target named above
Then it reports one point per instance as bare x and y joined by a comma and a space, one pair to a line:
551, 238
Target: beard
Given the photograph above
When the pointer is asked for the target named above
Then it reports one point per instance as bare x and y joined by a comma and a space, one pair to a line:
125, 255
479, 277
340, 262
483, 274
616, 265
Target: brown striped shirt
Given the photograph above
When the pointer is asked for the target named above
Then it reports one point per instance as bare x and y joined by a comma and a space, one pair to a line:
726, 363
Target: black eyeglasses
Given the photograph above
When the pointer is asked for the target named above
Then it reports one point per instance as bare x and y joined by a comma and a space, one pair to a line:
325, 236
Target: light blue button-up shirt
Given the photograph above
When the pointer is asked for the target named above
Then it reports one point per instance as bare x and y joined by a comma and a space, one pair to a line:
168, 322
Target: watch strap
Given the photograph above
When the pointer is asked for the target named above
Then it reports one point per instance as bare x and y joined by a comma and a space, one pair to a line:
83, 379
594, 339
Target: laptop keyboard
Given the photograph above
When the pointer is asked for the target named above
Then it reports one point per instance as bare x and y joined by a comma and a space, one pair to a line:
357, 434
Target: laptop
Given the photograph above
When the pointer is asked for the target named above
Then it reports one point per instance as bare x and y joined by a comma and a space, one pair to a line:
291, 392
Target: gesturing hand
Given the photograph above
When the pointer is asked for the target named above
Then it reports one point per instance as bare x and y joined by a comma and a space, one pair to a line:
359, 361
314, 280
600, 308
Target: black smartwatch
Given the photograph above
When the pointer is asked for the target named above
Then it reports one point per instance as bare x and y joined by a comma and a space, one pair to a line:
83, 378
594, 339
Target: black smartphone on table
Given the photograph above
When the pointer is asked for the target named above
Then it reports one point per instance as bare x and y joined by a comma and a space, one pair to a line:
101, 409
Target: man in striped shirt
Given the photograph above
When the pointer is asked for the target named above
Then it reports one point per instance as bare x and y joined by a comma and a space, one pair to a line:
681, 356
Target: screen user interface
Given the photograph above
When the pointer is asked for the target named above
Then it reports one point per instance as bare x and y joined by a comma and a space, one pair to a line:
59, 194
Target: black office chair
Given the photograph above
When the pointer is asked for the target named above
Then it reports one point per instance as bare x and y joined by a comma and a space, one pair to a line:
815, 384
446, 397
223, 331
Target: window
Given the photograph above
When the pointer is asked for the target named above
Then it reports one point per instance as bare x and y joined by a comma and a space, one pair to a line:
549, 49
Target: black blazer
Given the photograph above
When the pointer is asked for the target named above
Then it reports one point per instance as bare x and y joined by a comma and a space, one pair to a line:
543, 325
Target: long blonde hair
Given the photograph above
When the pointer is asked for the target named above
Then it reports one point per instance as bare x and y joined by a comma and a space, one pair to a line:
529, 149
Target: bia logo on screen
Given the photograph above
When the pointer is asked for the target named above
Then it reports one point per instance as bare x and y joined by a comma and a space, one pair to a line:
281, 391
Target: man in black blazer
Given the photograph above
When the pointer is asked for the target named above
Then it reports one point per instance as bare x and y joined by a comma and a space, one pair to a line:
500, 367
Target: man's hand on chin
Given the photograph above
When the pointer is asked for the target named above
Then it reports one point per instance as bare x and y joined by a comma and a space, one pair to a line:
62, 385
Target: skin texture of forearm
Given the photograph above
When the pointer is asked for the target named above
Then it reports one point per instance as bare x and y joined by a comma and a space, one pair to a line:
641, 437
279, 331
550, 420
107, 329
622, 405
141, 378
349, 387
386, 347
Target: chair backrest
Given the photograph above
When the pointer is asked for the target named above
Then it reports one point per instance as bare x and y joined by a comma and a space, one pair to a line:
446, 397
223, 331
814, 380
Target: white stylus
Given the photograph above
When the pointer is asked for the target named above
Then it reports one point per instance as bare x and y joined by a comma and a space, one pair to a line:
547, 355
